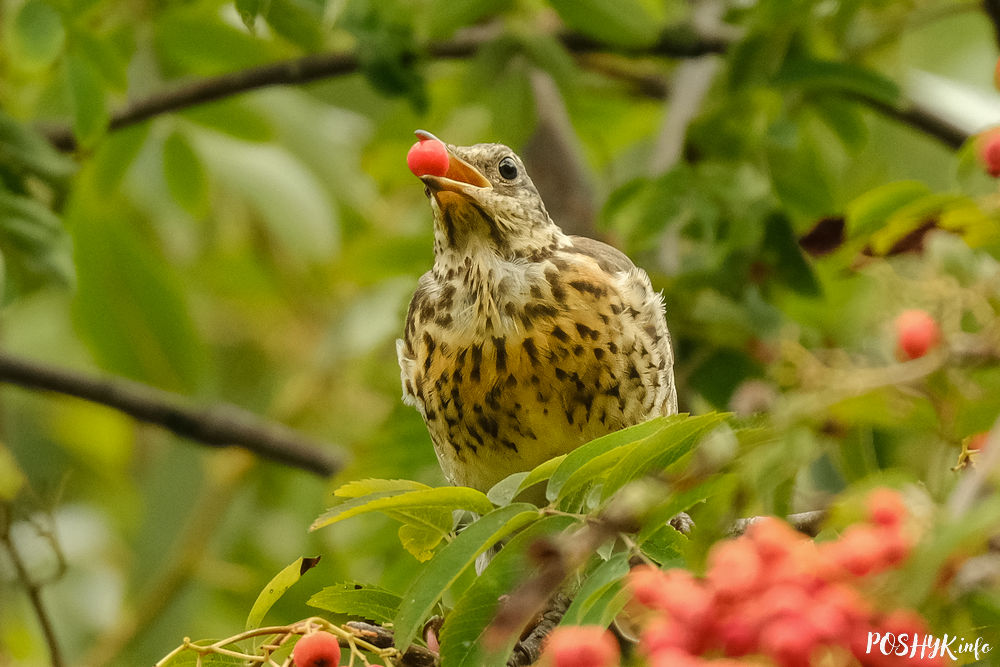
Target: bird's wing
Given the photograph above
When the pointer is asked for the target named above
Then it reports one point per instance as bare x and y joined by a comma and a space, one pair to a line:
610, 259
637, 292
405, 353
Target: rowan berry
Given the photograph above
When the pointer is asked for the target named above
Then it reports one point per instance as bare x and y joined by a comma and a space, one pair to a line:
917, 333
319, 649
428, 157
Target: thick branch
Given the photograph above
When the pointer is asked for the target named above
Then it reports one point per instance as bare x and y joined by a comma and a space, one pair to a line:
327, 65
216, 426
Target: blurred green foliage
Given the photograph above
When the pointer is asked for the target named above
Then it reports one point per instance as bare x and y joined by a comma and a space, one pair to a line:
260, 249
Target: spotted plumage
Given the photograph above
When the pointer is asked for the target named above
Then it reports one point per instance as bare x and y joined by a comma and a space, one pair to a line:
522, 343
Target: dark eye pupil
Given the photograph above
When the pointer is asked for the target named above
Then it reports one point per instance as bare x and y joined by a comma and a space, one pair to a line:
508, 169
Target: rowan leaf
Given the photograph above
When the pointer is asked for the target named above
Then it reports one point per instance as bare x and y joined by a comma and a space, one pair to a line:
446, 498
451, 561
358, 600
467, 622
277, 587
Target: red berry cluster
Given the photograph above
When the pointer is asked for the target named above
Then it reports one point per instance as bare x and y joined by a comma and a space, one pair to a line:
774, 592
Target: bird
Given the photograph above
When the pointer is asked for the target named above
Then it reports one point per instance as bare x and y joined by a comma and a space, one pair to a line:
521, 342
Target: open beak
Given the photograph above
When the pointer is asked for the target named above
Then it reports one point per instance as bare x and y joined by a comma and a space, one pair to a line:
460, 182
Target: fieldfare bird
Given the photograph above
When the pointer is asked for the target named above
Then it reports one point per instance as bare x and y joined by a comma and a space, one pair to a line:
522, 342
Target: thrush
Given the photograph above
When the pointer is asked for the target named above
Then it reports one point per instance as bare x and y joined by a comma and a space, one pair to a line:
522, 342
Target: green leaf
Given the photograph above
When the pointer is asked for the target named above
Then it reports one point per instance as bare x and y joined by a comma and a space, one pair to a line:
869, 212
658, 517
584, 454
660, 449
185, 174
298, 21
623, 23
105, 56
454, 559
363, 487
235, 117
203, 44
193, 659
592, 602
358, 600
293, 205
970, 533
90, 112
277, 587
129, 306
506, 489
36, 34
111, 161
909, 217
249, 10
826, 75
443, 17
443, 498
22, 149
11, 478
781, 250
36, 248
464, 626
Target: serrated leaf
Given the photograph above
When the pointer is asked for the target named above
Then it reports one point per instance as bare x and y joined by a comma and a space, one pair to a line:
869, 212
619, 22
590, 602
90, 112
275, 588
363, 487
421, 534
466, 623
185, 175
360, 601
659, 449
193, 659
454, 559
442, 498
580, 456
36, 34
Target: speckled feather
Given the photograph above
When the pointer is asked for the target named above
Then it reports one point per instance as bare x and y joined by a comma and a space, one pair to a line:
522, 343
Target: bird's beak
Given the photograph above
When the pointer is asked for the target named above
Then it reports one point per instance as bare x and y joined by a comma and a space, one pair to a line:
460, 182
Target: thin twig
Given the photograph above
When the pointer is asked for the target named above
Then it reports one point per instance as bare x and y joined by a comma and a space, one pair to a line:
314, 67
217, 426
31, 587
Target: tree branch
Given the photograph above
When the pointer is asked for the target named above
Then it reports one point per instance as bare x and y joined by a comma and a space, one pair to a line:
673, 43
217, 426
32, 587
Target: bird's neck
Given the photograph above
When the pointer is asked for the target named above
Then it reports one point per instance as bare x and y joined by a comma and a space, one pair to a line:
490, 289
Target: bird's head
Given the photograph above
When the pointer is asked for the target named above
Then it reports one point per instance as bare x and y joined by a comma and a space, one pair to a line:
485, 201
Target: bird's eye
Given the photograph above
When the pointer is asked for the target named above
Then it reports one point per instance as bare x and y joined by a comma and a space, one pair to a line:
507, 168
